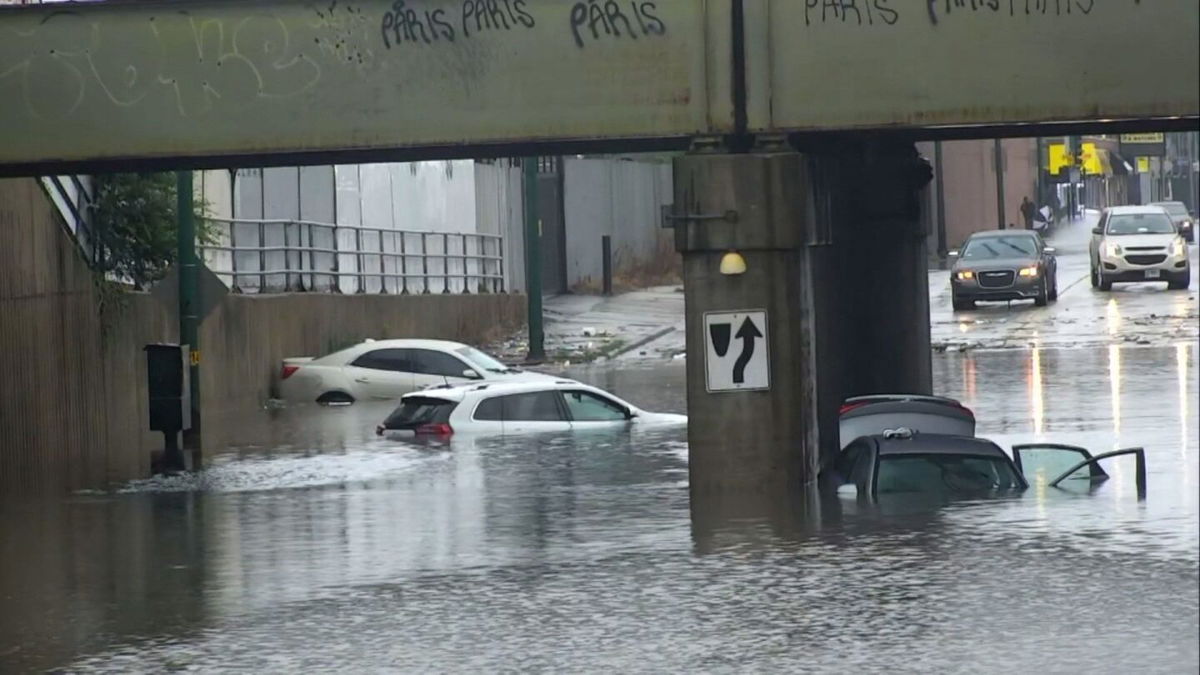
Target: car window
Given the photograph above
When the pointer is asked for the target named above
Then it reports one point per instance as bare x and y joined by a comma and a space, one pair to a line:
539, 406
491, 410
429, 362
588, 407
1140, 223
481, 361
399, 360
415, 411
988, 248
943, 473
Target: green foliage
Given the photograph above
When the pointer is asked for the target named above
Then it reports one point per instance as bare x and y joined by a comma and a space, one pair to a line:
136, 226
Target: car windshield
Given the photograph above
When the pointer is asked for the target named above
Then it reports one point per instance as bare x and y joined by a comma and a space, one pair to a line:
482, 361
1140, 223
990, 248
944, 473
1174, 208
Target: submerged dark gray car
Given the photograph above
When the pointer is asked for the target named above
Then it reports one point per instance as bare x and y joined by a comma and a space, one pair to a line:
1003, 265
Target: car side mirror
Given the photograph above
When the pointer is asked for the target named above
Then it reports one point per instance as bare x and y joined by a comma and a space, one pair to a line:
1049, 250
952, 254
471, 374
1096, 230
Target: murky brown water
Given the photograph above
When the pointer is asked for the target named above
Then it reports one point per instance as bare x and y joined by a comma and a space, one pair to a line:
319, 547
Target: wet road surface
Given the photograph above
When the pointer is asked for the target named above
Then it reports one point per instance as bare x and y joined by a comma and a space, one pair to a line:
315, 545
1145, 313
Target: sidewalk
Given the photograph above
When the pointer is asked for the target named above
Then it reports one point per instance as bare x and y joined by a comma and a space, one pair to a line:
640, 324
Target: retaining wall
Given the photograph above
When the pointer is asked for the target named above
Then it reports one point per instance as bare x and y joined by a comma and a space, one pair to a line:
73, 401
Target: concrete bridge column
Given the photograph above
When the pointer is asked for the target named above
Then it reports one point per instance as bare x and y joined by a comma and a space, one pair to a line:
835, 260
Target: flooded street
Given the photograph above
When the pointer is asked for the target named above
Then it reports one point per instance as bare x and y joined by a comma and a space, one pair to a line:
323, 547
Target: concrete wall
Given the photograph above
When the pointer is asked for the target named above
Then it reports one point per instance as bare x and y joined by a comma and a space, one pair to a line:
969, 184
245, 339
73, 406
620, 198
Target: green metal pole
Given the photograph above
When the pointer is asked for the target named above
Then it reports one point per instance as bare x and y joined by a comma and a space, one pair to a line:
998, 151
189, 302
533, 261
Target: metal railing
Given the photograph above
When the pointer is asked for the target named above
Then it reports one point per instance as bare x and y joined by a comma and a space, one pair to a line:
73, 197
270, 256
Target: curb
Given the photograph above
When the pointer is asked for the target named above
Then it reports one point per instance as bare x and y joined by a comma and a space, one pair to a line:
644, 341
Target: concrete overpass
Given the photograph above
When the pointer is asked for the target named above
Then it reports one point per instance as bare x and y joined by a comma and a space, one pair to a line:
798, 114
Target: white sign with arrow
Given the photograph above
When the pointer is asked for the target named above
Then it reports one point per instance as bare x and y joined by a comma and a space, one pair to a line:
736, 354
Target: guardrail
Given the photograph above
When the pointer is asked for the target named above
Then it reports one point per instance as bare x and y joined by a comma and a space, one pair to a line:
270, 256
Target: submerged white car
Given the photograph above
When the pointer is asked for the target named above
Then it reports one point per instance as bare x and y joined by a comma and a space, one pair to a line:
517, 408
388, 369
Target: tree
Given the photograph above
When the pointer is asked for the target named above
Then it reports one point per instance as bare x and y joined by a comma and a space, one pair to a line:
135, 218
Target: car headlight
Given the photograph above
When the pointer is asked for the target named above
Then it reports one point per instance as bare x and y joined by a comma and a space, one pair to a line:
965, 275
1179, 247
1112, 250
1029, 271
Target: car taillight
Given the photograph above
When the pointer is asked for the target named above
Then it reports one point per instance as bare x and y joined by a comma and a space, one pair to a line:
287, 372
434, 430
847, 407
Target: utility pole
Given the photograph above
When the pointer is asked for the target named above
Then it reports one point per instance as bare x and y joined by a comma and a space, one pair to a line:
998, 151
533, 262
189, 302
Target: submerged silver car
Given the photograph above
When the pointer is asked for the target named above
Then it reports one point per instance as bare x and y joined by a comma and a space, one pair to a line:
1003, 265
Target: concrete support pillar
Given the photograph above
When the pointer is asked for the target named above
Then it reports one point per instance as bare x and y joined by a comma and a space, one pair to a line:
835, 255
748, 440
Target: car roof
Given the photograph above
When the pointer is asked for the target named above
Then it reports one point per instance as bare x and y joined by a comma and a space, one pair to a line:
1166, 204
882, 398
459, 393
369, 344
938, 444
1133, 210
410, 343
986, 234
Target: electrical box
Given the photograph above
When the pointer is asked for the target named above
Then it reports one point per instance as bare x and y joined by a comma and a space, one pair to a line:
168, 374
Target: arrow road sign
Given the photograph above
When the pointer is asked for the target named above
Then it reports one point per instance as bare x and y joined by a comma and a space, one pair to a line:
740, 364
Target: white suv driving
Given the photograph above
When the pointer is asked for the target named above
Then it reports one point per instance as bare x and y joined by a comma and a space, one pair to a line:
517, 408
1138, 243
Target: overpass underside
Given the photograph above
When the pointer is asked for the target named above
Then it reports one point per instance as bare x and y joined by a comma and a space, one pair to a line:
798, 117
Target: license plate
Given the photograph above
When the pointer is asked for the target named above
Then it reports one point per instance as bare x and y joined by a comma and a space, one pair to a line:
1153, 274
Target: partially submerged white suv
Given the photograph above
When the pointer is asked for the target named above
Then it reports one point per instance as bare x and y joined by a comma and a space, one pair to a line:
1138, 243
516, 408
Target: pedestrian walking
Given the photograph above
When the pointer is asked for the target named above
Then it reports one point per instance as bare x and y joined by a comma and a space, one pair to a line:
1027, 211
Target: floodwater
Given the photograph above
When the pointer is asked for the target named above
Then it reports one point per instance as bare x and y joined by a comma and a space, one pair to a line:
316, 546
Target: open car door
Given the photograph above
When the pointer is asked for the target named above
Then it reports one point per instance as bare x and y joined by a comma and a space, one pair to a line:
1067, 466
